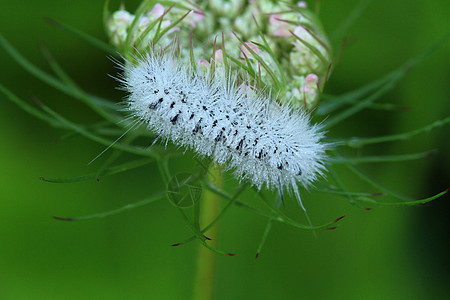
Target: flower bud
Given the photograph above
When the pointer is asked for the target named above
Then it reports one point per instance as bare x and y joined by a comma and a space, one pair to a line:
309, 53
228, 8
117, 27
245, 52
145, 29
245, 25
304, 91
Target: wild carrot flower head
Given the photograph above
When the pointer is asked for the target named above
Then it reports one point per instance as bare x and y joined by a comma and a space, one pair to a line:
274, 45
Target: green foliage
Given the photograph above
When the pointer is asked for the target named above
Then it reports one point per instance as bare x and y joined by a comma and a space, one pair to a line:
340, 107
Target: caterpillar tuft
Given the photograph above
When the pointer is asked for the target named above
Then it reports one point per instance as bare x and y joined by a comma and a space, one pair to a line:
264, 142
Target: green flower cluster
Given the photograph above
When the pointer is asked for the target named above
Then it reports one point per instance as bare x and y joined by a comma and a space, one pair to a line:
273, 46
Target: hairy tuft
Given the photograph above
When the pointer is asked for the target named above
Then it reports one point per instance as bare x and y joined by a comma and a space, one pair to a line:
263, 142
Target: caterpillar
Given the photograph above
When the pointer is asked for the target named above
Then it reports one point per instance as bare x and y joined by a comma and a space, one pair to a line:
264, 142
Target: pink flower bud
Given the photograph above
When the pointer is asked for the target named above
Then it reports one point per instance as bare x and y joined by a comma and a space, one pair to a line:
280, 28
195, 17
157, 10
144, 21
218, 56
202, 63
311, 79
123, 16
246, 53
310, 90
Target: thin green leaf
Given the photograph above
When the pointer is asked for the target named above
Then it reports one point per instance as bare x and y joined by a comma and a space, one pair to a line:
46, 78
281, 217
338, 181
145, 35
89, 39
332, 121
146, 201
408, 203
261, 61
380, 158
112, 158
228, 197
106, 13
333, 190
128, 46
389, 80
163, 166
312, 48
230, 203
78, 93
200, 236
347, 22
212, 66
232, 200
196, 218
249, 71
193, 225
191, 55
357, 142
81, 130
361, 174
106, 172
225, 58
30, 109
33, 70
331, 103
172, 25
266, 47
264, 237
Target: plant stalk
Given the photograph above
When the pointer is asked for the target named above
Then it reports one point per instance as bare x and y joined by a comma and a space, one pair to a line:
206, 259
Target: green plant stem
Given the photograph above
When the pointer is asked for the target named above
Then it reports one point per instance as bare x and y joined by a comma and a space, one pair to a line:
206, 259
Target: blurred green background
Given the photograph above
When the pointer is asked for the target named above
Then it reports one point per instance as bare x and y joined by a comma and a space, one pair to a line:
384, 253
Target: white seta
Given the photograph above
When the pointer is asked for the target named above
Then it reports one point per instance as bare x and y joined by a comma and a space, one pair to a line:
263, 142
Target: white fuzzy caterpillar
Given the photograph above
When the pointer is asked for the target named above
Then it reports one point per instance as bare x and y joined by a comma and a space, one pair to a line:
264, 143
